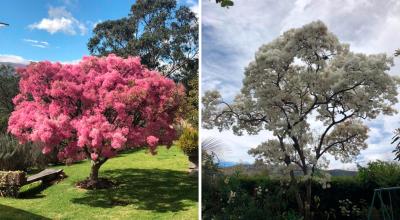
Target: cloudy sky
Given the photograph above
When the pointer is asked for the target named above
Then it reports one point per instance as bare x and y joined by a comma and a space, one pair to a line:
231, 36
55, 30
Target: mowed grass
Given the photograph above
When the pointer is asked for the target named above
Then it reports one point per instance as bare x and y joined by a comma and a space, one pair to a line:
148, 187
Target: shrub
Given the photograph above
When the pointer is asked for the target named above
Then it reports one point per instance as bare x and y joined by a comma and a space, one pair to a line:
239, 197
10, 182
3, 123
15, 156
188, 141
192, 102
8, 90
235, 196
380, 174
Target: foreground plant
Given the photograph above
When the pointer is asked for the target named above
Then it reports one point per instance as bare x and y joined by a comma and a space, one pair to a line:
188, 142
305, 77
95, 109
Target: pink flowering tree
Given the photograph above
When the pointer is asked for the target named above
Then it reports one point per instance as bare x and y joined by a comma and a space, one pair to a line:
95, 109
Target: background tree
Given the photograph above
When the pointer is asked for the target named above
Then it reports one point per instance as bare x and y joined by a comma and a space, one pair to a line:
95, 109
192, 103
163, 34
14, 156
307, 76
8, 89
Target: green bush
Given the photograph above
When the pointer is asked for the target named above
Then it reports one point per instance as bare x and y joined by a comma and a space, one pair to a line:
344, 198
243, 197
3, 123
15, 156
188, 141
8, 90
380, 174
10, 182
271, 198
236, 197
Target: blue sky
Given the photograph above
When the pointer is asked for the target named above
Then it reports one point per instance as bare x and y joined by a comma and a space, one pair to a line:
55, 30
230, 38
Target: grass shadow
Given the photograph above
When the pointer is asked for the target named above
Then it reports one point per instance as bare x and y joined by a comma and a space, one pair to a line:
34, 192
148, 189
8, 212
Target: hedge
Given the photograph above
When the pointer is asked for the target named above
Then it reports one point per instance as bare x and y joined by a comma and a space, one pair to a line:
10, 182
345, 198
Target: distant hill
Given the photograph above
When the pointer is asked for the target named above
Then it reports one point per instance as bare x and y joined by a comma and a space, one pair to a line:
227, 164
339, 172
246, 169
16, 65
229, 168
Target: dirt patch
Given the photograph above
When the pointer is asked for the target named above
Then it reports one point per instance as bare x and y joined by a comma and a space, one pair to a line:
102, 183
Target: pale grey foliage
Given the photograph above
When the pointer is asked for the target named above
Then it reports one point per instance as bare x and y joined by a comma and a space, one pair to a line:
306, 72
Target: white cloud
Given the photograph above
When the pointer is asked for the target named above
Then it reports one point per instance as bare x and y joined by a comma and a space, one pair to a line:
230, 38
193, 5
36, 43
70, 61
60, 20
8, 58
234, 148
195, 9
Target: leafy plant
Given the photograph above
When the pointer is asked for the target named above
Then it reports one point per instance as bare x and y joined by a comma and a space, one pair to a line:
188, 141
380, 174
396, 140
15, 156
8, 89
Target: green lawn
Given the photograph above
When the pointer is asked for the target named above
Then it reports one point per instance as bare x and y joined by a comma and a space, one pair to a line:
149, 187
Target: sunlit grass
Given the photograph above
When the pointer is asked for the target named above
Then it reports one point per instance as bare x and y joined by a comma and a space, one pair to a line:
148, 187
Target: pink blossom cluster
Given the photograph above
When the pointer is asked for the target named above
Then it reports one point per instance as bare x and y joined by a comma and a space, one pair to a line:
97, 107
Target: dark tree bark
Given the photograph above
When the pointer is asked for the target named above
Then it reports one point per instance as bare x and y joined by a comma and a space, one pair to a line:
307, 204
94, 171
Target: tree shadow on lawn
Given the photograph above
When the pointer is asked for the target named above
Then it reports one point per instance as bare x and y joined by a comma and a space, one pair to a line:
8, 212
149, 189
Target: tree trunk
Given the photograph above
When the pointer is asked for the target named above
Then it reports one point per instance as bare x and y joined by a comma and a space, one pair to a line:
307, 203
94, 171
296, 192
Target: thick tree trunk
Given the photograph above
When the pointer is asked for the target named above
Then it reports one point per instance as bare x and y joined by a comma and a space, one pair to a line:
307, 203
296, 192
94, 171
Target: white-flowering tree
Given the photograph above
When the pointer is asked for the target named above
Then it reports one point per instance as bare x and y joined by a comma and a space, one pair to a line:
306, 76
